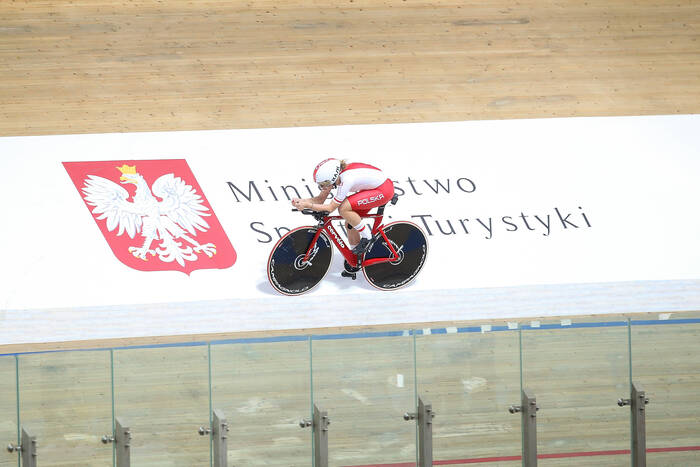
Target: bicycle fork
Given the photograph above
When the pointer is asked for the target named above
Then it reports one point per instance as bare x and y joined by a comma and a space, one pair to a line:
310, 251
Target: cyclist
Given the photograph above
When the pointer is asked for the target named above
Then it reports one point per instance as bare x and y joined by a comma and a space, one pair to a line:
360, 187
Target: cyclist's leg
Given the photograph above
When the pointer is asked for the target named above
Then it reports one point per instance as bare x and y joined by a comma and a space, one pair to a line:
352, 217
360, 203
360, 234
368, 199
353, 236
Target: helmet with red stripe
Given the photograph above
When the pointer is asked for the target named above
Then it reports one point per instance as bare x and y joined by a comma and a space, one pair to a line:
327, 172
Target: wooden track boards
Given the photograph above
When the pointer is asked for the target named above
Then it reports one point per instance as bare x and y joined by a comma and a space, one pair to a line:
103, 66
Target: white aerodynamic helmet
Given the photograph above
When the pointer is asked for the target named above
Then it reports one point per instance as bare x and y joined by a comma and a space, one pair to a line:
327, 172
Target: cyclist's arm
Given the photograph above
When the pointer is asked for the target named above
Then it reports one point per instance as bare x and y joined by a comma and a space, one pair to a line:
310, 204
316, 203
322, 196
319, 204
329, 207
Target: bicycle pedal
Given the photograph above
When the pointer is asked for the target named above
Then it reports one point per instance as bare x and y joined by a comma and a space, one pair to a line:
352, 275
350, 269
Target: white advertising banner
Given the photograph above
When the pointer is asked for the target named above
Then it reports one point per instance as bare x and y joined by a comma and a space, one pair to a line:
521, 216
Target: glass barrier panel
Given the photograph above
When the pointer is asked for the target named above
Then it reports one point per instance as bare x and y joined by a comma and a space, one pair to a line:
577, 370
8, 410
471, 376
65, 401
263, 389
666, 366
162, 395
366, 383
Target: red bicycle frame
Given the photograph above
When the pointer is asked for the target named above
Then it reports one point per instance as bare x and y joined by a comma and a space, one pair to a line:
327, 226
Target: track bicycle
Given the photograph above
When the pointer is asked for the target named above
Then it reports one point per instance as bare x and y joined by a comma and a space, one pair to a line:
301, 258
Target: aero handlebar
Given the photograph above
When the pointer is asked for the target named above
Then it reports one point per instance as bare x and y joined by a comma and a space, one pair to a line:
318, 215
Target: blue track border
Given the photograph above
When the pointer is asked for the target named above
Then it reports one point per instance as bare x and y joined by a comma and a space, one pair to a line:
377, 334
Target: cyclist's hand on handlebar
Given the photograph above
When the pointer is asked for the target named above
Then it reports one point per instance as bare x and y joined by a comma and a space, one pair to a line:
300, 204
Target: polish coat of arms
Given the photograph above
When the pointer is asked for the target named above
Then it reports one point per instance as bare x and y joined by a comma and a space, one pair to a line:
153, 214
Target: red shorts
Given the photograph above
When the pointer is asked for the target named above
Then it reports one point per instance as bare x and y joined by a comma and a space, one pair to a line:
363, 201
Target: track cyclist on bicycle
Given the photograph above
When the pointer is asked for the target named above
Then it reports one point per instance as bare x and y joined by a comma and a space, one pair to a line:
360, 187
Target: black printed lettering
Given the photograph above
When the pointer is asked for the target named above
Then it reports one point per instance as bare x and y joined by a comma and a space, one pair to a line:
488, 228
268, 237
308, 188
286, 187
584, 216
281, 231
515, 227
272, 191
471, 186
425, 224
565, 220
249, 196
523, 216
543, 223
438, 185
410, 182
450, 232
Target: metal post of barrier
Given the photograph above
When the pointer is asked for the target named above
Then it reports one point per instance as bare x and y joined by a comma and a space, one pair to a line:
122, 435
26, 449
122, 443
319, 424
637, 403
424, 419
218, 438
528, 410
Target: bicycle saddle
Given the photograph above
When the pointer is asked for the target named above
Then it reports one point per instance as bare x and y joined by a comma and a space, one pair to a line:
393, 200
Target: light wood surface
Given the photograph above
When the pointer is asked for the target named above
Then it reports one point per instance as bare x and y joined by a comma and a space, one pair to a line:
104, 66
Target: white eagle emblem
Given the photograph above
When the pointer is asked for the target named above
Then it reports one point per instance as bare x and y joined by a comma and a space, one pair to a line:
178, 215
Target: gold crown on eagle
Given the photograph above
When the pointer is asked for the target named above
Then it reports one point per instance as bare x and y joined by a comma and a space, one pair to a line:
127, 169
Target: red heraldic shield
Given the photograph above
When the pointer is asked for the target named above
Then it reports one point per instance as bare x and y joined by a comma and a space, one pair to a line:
153, 214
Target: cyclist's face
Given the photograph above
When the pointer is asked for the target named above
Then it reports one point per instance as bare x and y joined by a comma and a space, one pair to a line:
324, 186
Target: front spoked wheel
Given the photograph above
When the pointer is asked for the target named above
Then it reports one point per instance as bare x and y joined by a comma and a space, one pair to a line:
286, 269
412, 246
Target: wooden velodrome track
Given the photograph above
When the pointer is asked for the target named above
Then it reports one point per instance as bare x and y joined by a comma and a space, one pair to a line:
105, 66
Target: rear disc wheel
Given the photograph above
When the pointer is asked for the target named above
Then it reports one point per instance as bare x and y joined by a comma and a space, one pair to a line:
411, 244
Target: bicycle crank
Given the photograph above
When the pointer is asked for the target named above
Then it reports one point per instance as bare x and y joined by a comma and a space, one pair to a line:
352, 275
